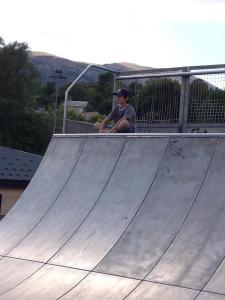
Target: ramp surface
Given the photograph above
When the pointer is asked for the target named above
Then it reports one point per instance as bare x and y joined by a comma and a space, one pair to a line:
118, 217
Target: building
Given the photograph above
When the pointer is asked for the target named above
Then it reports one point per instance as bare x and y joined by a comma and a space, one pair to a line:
77, 106
16, 170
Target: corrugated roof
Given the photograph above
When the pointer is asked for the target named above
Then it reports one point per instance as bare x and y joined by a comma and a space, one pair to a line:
17, 165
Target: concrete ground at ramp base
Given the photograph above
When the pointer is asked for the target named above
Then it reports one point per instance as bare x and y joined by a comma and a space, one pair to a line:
118, 216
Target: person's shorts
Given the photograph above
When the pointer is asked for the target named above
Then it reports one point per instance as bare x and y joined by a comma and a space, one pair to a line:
127, 130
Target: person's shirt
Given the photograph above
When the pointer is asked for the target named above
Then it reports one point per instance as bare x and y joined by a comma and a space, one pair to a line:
118, 113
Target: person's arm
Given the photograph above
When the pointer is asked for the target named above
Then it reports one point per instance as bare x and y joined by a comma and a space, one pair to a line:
103, 124
107, 119
129, 114
115, 127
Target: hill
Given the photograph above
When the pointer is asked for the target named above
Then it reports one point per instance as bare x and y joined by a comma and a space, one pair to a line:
47, 63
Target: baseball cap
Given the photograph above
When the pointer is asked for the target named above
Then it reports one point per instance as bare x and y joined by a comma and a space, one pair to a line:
122, 92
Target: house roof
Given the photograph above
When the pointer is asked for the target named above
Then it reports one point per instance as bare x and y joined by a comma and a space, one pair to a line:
16, 165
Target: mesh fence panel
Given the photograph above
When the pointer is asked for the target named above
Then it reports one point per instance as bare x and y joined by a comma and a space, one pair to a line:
156, 100
207, 99
157, 97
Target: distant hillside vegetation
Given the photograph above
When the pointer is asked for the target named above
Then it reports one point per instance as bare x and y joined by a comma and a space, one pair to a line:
46, 64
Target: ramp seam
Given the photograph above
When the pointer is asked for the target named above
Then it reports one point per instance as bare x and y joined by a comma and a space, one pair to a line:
93, 204
79, 155
89, 272
21, 282
190, 210
219, 264
152, 266
109, 274
203, 180
45, 263
7, 254
140, 205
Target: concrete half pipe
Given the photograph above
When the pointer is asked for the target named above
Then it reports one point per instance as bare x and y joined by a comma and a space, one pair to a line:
116, 217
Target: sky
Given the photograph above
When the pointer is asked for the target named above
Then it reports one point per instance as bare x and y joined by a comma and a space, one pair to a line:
153, 33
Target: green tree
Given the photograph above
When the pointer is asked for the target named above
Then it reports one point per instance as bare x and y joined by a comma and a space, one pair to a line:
46, 96
206, 103
18, 79
71, 115
21, 126
81, 92
1, 41
135, 91
101, 99
157, 100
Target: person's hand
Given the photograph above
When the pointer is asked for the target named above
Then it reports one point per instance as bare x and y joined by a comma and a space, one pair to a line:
113, 130
104, 131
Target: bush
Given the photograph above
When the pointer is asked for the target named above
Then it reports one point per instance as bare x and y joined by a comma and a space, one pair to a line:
97, 118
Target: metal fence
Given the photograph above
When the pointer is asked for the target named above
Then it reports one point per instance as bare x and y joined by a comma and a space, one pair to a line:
180, 99
206, 99
156, 100
185, 99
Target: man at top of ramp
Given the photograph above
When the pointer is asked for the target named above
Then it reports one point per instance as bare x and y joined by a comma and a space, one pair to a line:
123, 115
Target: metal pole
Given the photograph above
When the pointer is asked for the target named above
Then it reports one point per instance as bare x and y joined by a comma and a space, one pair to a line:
67, 94
55, 108
58, 75
73, 83
114, 89
184, 98
175, 74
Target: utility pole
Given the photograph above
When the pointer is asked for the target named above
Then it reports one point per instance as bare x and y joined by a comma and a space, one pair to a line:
58, 75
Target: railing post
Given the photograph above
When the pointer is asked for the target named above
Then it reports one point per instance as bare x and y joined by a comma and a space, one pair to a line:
184, 98
114, 89
67, 94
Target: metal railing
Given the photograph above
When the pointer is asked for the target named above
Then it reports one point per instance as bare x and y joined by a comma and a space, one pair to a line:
74, 82
178, 97
182, 98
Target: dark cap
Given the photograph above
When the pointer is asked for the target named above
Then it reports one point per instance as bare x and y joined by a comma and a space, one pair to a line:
122, 92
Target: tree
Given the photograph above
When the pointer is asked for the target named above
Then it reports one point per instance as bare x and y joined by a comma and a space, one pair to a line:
46, 95
101, 100
18, 78
157, 100
21, 126
80, 92
1, 41
206, 104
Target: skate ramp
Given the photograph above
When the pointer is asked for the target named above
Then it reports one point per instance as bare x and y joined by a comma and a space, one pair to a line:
115, 217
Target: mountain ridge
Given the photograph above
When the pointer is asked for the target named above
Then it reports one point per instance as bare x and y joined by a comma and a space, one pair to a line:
47, 63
